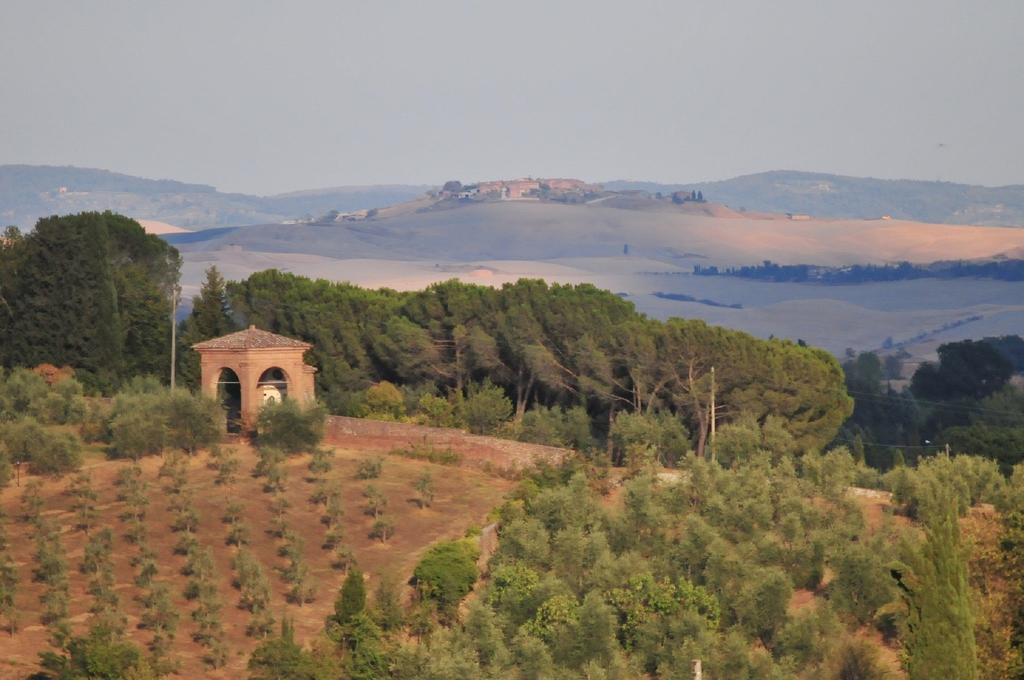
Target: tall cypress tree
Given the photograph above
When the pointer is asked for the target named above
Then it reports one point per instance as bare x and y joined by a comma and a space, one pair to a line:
351, 600
211, 310
940, 623
210, 318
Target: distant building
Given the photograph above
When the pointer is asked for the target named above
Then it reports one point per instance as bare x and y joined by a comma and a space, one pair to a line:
562, 184
522, 189
798, 217
519, 189
250, 368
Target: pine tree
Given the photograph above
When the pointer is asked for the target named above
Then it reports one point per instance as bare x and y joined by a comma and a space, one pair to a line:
387, 605
940, 623
211, 310
211, 318
351, 599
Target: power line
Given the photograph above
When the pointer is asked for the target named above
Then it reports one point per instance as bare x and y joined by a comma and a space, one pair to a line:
943, 404
894, 446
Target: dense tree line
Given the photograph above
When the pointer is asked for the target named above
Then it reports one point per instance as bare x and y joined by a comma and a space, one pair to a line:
1002, 270
92, 291
553, 346
965, 400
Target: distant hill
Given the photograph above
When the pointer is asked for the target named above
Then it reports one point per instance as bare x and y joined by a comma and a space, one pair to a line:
685, 234
28, 192
837, 196
645, 249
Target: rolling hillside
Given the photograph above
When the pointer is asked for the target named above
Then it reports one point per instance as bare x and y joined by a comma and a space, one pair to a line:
29, 192
542, 230
826, 195
463, 498
622, 239
645, 250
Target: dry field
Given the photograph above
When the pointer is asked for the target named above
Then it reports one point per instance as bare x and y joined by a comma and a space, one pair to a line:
463, 498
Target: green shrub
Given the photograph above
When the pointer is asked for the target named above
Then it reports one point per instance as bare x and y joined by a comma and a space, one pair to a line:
382, 529
485, 408
972, 479
435, 411
139, 425
64, 403
96, 422
21, 394
428, 453
384, 401
662, 434
290, 426
49, 452
370, 468
447, 572
194, 421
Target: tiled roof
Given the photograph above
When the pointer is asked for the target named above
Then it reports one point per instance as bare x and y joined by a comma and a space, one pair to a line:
251, 338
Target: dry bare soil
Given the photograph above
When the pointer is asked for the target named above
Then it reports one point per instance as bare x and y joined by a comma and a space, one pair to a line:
463, 498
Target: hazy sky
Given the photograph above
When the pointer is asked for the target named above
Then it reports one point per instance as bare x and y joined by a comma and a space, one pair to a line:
267, 97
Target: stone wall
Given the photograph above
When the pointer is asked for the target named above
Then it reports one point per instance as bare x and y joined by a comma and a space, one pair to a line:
475, 450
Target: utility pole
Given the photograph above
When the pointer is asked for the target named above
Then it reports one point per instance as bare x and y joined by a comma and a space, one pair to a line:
713, 413
175, 291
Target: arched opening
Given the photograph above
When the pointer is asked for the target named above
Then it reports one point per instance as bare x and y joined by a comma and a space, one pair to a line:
272, 386
229, 394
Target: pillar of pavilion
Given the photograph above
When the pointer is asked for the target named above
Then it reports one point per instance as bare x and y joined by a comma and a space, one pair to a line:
245, 370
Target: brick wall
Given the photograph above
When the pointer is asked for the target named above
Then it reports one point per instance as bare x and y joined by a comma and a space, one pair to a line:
477, 451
